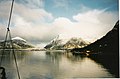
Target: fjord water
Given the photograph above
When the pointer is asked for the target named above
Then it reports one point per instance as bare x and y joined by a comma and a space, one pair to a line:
53, 65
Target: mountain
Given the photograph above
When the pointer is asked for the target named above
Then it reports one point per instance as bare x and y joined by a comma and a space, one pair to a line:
104, 51
58, 43
108, 43
18, 43
75, 43
18, 39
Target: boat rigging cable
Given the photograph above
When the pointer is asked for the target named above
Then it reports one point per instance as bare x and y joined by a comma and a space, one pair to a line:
8, 35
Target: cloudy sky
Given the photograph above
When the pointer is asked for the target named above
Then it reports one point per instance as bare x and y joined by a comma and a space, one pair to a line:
42, 20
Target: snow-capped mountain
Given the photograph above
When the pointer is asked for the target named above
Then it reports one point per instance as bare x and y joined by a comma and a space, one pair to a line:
18, 39
56, 43
18, 43
75, 43
59, 43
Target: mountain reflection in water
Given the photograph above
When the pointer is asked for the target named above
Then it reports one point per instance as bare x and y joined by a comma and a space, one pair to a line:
53, 65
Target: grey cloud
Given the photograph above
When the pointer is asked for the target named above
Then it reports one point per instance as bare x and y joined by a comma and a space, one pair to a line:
31, 14
24, 11
4, 10
25, 22
32, 3
2, 32
61, 3
28, 3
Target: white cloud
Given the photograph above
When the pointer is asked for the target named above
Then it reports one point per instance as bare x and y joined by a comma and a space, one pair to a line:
89, 25
96, 22
31, 30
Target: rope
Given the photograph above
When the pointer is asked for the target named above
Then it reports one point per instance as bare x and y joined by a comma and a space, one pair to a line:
10, 15
4, 45
13, 51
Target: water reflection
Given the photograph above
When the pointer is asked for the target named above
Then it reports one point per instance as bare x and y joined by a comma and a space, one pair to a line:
53, 65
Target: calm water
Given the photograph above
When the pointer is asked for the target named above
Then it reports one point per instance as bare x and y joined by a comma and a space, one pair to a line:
52, 65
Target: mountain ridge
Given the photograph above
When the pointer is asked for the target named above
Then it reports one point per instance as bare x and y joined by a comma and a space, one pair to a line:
69, 44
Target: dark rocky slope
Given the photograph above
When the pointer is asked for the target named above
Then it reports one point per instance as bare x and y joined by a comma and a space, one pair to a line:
105, 51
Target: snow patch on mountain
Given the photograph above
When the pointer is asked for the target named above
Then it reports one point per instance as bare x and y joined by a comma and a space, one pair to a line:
18, 43
19, 38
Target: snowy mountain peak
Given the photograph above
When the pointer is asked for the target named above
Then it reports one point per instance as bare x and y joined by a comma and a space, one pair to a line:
19, 38
74, 42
